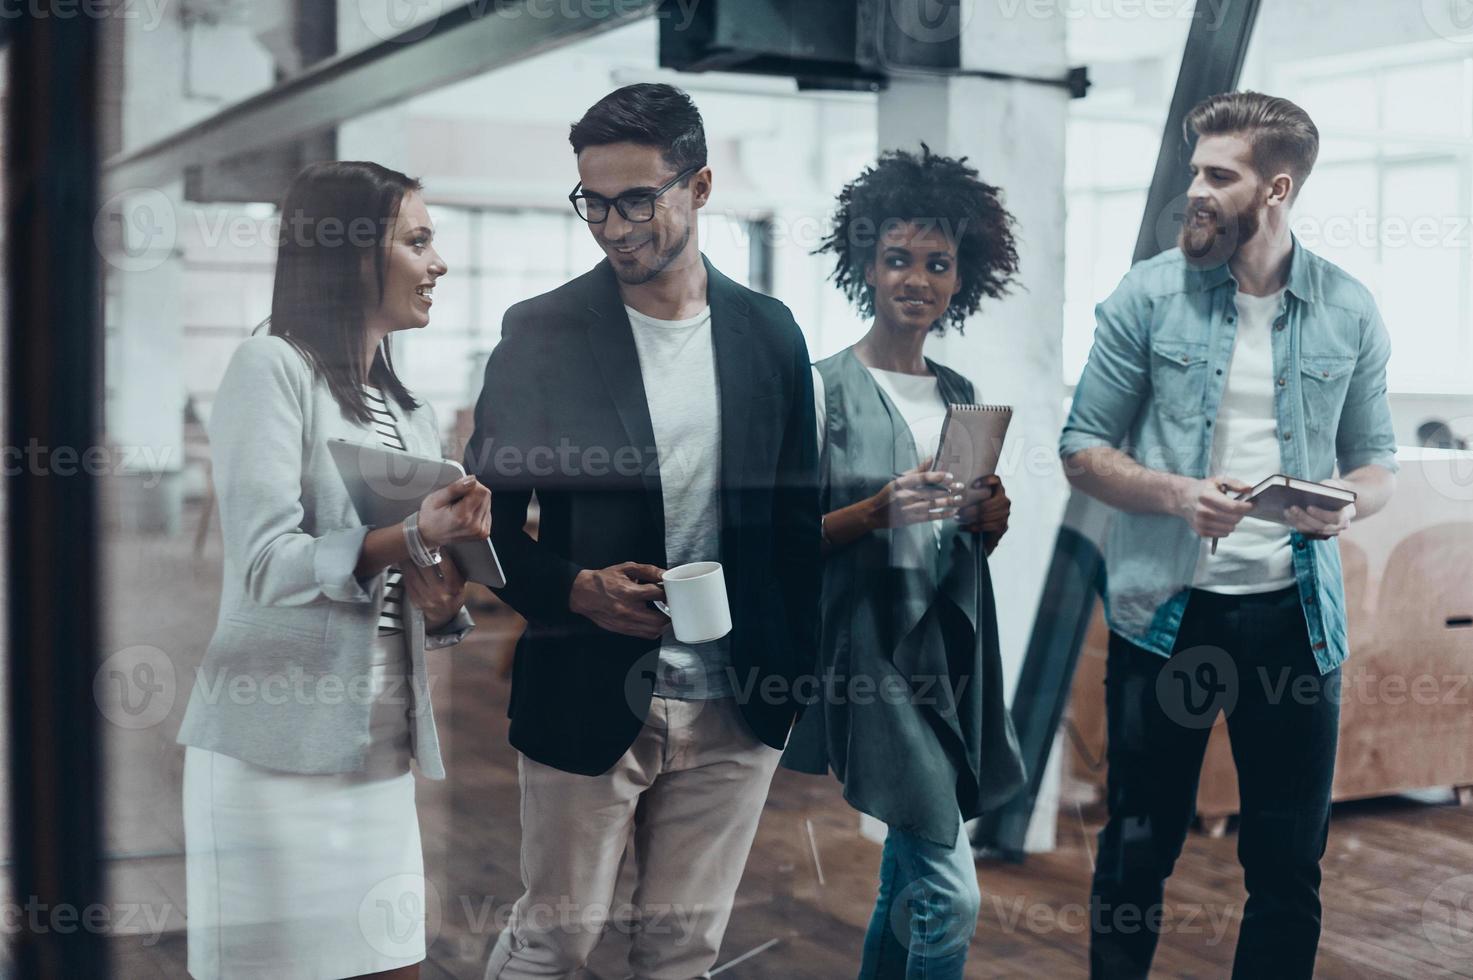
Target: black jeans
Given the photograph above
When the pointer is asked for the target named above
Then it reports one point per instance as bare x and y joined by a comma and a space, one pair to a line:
1247, 656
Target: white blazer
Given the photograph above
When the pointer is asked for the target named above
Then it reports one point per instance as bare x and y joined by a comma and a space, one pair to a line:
285, 679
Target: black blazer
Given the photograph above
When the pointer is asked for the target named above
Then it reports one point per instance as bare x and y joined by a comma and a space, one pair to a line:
563, 414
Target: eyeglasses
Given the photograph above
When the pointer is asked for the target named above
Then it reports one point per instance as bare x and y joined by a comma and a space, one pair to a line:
636, 206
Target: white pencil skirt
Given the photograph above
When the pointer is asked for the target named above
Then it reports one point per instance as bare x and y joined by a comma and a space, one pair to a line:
297, 876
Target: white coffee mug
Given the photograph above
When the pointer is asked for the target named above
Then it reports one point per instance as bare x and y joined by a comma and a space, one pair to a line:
697, 602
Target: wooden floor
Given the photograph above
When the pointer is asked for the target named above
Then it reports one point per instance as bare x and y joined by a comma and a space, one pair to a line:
1394, 875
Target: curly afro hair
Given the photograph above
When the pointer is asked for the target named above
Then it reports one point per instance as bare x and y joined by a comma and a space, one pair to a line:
941, 192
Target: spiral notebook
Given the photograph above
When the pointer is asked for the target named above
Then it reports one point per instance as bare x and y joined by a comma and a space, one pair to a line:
971, 441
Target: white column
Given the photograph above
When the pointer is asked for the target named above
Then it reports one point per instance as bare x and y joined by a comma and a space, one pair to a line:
144, 418
1013, 133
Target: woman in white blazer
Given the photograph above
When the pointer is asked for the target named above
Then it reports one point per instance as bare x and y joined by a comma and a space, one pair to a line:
303, 844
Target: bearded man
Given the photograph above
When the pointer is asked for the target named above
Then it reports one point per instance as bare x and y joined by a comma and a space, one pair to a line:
1236, 356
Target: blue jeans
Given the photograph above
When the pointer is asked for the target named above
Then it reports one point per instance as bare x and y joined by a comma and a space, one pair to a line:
926, 912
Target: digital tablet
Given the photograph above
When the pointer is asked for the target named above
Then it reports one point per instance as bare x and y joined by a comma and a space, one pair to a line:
387, 486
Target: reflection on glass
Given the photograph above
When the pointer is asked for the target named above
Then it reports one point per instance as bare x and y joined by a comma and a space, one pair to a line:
1392, 94
1113, 137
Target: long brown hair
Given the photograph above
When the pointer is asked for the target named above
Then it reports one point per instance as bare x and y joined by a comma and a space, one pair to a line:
335, 216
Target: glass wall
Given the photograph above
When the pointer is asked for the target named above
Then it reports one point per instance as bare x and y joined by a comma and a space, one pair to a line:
1113, 137
190, 276
1389, 198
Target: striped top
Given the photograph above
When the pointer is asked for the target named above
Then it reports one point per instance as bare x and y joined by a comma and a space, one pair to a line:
391, 619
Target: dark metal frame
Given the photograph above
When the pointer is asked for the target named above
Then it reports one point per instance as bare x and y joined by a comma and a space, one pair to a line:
53, 377
1212, 62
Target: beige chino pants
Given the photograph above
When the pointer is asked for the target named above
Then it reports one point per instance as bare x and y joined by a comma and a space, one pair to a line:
688, 795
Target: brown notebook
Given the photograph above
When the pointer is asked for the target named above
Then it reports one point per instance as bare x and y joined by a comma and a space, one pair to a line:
971, 441
1278, 493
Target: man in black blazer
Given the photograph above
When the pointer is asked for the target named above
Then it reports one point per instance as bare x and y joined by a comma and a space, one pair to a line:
662, 414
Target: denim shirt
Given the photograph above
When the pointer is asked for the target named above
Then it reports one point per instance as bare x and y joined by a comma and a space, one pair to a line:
1152, 387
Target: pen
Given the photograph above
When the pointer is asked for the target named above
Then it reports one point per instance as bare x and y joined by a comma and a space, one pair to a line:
1221, 488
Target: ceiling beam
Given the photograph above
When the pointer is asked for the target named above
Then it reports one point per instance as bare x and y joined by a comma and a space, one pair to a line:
461, 43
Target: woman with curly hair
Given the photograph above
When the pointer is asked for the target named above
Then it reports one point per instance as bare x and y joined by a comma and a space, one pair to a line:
910, 714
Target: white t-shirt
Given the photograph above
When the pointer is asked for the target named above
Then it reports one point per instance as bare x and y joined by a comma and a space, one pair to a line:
678, 364
917, 397
1257, 556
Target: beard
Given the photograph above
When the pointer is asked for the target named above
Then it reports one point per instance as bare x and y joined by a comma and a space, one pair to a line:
1210, 241
633, 271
